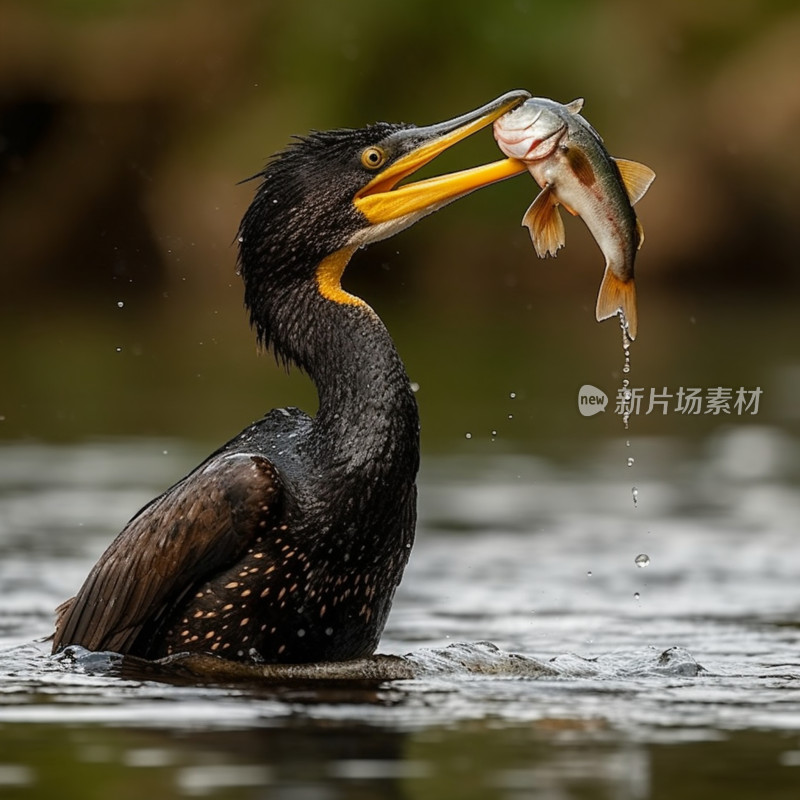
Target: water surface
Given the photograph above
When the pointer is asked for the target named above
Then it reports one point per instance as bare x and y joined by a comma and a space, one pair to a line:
665, 679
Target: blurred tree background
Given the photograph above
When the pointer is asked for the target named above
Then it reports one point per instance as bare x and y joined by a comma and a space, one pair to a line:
125, 127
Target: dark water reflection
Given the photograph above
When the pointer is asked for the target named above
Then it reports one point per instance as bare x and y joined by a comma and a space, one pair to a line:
351, 761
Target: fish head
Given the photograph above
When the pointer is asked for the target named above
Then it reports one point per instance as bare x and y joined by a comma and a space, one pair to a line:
532, 131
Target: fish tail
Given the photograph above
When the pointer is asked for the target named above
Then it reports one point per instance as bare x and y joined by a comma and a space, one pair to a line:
617, 296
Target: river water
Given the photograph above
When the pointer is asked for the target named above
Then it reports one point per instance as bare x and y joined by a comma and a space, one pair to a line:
678, 678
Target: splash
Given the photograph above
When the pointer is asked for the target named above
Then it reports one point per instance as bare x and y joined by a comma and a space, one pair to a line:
459, 659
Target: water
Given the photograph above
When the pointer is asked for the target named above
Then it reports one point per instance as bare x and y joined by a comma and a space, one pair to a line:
549, 662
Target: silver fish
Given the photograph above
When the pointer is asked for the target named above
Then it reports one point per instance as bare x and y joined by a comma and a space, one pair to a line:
568, 159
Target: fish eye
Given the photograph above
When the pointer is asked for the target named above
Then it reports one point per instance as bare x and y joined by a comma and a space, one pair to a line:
373, 157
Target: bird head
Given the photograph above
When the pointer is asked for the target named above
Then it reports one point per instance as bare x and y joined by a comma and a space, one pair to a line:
330, 192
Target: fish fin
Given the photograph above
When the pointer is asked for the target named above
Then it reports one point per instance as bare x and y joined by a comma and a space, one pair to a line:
636, 177
570, 210
639, 234
544, 222
575, 106
616, 296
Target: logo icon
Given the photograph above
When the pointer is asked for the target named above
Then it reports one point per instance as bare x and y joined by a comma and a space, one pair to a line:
591, 400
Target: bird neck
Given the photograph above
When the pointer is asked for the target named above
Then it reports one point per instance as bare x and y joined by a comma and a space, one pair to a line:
367, 411
367, 420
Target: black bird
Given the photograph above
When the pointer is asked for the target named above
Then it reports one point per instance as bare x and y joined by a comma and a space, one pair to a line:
287, 543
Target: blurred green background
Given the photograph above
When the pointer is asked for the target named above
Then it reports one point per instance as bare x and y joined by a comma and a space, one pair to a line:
125, 126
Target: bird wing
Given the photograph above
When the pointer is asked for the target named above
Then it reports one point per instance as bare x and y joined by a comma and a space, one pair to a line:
201, 525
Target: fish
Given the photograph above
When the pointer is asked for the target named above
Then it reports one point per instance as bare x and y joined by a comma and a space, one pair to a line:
567, 158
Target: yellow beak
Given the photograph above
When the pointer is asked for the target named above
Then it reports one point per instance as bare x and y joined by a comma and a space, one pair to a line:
380, 202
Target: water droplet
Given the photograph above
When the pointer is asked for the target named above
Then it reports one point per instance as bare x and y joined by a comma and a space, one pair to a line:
494, 433
118, 349
627, 443
511, 416
588, 573
165, 452
512, 395
414, 387
635, 495
636, 595
120, 304
630, 461
301, 632
626, 343
468, 435
642, 560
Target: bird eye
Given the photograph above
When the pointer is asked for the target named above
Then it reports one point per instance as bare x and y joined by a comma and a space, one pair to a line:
373, 157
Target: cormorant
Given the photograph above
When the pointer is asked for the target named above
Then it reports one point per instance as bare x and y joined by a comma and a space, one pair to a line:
286, 545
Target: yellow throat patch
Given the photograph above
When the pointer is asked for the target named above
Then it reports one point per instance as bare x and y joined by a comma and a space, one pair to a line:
329, 278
